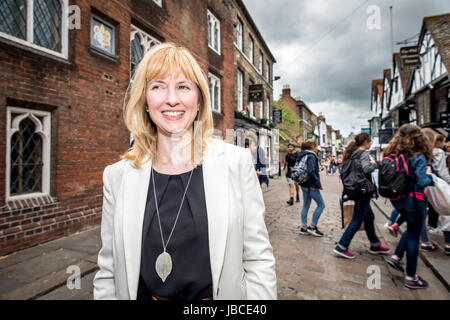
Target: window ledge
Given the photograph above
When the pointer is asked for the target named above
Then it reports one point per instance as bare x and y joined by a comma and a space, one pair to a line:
33, 50
96, 53
30, 201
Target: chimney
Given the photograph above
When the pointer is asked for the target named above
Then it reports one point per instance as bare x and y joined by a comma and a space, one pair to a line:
286, 90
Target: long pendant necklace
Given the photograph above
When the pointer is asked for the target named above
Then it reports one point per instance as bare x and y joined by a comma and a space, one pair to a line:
163, 263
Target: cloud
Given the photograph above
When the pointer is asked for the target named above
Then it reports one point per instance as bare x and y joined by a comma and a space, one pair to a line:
334, 72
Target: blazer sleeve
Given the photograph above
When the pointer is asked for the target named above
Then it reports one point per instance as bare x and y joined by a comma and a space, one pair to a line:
104, 285
313, 171
258, 259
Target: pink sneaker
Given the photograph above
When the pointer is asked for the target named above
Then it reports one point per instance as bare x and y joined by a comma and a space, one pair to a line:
344, 253
382, 249
393, 230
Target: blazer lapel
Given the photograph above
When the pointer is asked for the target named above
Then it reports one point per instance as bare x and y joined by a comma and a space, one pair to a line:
215, 179
135, 195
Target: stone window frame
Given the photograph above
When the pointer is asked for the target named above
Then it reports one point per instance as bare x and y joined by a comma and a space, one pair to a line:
147, 41
44, 130
211, 37
30, 31
215, 81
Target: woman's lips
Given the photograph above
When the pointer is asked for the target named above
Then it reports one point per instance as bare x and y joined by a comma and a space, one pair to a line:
173, 115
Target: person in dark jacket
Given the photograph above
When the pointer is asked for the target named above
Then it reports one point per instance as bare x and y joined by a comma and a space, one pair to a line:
311, 188
411, 141
358, 149
290, 160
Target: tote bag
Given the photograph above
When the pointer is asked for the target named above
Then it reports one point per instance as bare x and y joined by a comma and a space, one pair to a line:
439, 196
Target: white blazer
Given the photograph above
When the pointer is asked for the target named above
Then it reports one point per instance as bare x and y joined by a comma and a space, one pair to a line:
241, 256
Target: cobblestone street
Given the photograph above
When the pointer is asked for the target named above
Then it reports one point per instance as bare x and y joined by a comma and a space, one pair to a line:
306, 266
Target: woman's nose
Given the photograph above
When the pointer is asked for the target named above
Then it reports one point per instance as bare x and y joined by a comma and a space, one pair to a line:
172, 97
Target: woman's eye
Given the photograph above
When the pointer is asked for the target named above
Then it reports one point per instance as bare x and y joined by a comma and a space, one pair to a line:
155, 87
183, 87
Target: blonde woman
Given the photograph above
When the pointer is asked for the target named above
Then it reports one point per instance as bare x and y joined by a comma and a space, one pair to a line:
183, 214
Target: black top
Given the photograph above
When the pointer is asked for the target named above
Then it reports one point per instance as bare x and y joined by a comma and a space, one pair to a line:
290, 162
191, 277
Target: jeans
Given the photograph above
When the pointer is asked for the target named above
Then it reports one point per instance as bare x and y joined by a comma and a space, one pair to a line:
308, 195
423, 231
394, 215
409, 241
362, 213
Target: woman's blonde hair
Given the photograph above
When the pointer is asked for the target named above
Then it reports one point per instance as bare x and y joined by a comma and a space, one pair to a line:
160, 61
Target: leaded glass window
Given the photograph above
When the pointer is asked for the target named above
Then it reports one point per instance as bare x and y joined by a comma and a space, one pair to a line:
27, 153
26, 159
13, 17
47, 24
36, 23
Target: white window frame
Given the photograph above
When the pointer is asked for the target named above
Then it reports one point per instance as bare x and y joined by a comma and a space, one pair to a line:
147, 41
251, 110
44, 130
251, 49
267, 71
158, 2
261, 106
268, 109
239, 41
215, 81
261, 58
240, 89
216, 22
30, 34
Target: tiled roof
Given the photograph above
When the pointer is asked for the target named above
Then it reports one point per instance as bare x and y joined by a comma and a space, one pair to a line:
404, 74
439, 27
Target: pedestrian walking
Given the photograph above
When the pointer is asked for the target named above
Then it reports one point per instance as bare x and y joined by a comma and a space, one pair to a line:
327, 165
412, 143
183, 213
357, 150
260, 161
291, 158
311, 188
439, 168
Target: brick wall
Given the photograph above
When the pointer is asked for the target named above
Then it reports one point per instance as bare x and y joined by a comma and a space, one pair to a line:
84, 95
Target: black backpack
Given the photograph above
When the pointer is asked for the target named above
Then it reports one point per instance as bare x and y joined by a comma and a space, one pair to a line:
356, 184
394, 177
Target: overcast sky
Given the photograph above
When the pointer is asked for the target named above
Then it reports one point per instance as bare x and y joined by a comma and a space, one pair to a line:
328, 55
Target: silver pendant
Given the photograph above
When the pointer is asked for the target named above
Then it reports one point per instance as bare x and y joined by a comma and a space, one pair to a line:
163, 265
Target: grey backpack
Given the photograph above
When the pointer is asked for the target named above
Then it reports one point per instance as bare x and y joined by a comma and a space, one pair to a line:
300, 171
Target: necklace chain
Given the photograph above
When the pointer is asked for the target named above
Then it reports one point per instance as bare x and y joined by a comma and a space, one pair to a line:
179, 210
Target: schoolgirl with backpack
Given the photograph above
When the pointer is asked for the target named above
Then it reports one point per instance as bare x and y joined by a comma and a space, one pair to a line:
358, 186
306, 174
411, 150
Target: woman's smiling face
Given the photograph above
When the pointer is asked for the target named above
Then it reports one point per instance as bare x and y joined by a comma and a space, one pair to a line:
172, 102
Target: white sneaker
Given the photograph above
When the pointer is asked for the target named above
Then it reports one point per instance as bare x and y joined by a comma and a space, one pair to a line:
387, 224
436, 231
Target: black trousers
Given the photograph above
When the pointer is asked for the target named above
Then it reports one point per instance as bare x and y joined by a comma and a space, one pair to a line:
433, 217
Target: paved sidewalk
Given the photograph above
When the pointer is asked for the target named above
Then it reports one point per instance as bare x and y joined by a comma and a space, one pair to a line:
307, 268
40, 272
437, 261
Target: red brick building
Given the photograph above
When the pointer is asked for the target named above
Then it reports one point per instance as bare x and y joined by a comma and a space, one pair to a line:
62, 96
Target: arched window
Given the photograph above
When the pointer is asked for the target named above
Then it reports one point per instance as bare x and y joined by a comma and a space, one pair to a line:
26, 159
28, 153
141, 42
